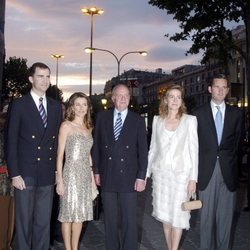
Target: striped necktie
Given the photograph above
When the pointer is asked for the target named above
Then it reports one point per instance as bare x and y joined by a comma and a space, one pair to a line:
118, 126
42, 112
218, 124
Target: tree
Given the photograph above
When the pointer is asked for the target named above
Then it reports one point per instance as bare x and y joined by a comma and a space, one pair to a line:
15, 78
54, 92
205, 23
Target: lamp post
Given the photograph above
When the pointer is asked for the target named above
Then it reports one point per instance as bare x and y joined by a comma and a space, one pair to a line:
91, 12
118, 60
57, 57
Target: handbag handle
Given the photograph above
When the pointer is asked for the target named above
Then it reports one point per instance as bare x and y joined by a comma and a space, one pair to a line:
193, 196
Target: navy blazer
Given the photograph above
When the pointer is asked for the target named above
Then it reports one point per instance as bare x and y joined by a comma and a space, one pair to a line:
31, 149
120, 162
227, 151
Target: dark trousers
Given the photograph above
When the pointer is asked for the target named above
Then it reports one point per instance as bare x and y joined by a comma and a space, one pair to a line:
123, 206
32, 217
216, 213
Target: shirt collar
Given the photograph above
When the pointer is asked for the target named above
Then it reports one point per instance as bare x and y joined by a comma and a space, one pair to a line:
214, 105
123, 113
36, 96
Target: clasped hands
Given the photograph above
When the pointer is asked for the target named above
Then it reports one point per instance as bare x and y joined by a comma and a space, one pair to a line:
139, 184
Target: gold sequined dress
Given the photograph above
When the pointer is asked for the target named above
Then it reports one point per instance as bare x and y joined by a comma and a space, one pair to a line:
76, 203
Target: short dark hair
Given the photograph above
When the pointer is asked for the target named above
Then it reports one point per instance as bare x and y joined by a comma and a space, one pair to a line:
36, 65
218, 76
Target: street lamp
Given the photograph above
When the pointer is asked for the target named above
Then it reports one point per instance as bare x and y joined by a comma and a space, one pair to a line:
91, 12
118, 60
104, 102
57, 57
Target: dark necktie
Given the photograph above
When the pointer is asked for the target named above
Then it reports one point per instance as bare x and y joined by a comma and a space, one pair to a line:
42, 112
118, 126
218, 124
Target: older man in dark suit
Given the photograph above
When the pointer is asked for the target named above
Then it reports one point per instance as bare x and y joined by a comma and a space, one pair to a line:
33, 124
219, 131
120, 163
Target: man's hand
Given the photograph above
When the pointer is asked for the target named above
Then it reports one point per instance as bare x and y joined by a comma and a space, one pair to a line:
18, 182
140, 185
97, 179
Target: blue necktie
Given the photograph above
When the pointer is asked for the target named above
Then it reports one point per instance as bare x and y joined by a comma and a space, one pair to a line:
218, 124
42, 112
118, 126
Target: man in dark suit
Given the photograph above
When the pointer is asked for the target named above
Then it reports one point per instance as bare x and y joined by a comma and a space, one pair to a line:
120, 164
219, 131
33, 125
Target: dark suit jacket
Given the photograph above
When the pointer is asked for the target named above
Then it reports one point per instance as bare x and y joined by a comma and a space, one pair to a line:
226, 151
31, 149
120, 162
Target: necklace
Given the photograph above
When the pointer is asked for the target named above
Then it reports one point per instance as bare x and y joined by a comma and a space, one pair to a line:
78, 124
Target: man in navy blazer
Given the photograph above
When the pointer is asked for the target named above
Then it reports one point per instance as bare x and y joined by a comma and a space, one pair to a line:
31, 160
120, 165
218, 174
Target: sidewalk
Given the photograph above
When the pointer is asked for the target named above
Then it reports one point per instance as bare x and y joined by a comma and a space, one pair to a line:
151, 233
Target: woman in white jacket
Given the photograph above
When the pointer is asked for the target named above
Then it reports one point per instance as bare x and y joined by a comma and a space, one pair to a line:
173, 163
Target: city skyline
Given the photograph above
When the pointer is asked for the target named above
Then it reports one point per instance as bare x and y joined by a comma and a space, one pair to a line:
35, 30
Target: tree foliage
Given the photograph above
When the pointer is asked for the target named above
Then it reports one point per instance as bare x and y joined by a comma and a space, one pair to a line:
205, 23
16, 80
15, 77
54, 92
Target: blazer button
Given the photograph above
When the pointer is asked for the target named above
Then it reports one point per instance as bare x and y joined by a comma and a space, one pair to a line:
33, 137
106, 146
53, 137
50, 148
110, 158
50, 158
127, 146
122, 159
121, 171
38, 159
39, 147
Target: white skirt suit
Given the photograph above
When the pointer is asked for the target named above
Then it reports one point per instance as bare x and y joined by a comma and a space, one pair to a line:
173, 162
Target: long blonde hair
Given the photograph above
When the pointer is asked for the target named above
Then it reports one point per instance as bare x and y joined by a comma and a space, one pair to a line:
70, 114
163, 107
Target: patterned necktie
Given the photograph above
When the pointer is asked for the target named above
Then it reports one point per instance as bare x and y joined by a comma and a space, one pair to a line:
42, 112
218, 124
118, 126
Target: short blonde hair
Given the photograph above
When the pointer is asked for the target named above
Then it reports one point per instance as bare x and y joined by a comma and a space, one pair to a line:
163, 107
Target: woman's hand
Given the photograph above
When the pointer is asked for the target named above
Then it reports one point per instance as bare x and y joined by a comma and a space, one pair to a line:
60, 187
191, 188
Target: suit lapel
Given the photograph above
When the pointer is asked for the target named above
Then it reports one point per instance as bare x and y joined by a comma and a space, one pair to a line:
110, 125
226, 122
125, 127
210, 120
50, 113
36, 115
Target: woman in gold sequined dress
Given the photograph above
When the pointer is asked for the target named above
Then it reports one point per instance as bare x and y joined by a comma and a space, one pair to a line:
75, 178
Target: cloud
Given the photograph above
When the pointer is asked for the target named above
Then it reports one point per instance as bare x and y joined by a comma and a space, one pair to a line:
36, 29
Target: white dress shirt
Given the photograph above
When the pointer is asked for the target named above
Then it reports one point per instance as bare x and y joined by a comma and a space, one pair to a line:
36, 100
215, 110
